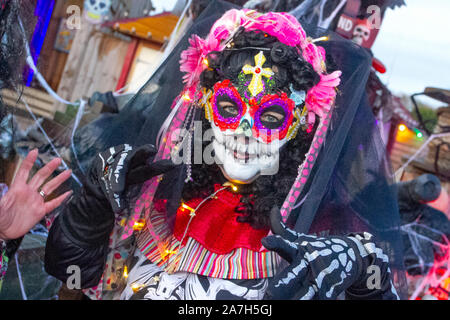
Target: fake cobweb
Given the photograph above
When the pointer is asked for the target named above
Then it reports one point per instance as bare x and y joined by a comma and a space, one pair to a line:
436, 283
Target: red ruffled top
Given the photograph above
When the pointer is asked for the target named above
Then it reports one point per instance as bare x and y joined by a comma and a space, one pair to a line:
215, 225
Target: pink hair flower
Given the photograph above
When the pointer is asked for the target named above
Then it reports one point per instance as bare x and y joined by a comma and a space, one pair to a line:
321, 97
193, 59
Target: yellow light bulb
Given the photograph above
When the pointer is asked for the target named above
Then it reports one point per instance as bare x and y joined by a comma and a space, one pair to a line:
186, 97
185, 206
326, 38
136, 287
165, 255
232, 186
139, 225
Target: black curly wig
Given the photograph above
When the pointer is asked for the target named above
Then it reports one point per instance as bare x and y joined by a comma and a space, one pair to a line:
259, 197
285, 61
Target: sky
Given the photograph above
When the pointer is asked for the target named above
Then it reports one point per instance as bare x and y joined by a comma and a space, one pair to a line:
414, 45
163, 5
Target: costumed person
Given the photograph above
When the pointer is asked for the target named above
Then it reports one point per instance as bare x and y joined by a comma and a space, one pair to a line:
245, 142
23, 204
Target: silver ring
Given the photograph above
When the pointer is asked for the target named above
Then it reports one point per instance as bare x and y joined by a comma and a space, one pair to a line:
42, 193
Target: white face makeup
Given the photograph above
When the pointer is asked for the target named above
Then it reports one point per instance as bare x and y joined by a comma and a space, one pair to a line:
244, 158
251, 122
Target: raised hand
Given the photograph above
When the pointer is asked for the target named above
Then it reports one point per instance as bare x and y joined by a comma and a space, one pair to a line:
324, 267
24, 205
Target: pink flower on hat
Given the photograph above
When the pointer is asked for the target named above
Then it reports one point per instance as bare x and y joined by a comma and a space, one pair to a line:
192, 59
321, 97
287, 30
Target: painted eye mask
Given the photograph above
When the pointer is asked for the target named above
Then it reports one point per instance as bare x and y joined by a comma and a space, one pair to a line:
269, 120
273, 117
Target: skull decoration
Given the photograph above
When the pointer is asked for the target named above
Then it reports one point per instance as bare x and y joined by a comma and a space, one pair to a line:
96, 10
361, 34
251, 122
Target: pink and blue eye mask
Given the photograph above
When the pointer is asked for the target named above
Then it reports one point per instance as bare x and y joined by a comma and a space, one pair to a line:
270, 119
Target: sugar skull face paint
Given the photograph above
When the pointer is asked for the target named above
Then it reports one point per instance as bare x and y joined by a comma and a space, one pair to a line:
250, 130
251, 121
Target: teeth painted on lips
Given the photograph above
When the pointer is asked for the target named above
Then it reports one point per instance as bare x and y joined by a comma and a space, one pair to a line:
219, 138
242, 148
253, 148
230, 143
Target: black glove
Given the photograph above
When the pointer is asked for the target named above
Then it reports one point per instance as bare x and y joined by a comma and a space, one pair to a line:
89, 219
324, 267
79, 235
124, 165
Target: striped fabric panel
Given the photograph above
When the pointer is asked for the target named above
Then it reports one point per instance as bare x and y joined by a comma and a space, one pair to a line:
240, 263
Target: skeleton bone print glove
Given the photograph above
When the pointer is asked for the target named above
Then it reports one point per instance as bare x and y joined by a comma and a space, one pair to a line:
80, 234
324, 267
125, 165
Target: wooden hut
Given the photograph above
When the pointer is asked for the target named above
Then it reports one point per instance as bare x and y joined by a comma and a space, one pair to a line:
119, 52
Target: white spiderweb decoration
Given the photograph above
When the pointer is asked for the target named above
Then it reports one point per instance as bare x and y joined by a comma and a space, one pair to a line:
435, 277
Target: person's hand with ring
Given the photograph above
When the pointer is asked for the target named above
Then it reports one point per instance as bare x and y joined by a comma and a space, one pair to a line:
24, 205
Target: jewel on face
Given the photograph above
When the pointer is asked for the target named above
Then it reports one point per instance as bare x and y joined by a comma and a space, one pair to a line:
256, 86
